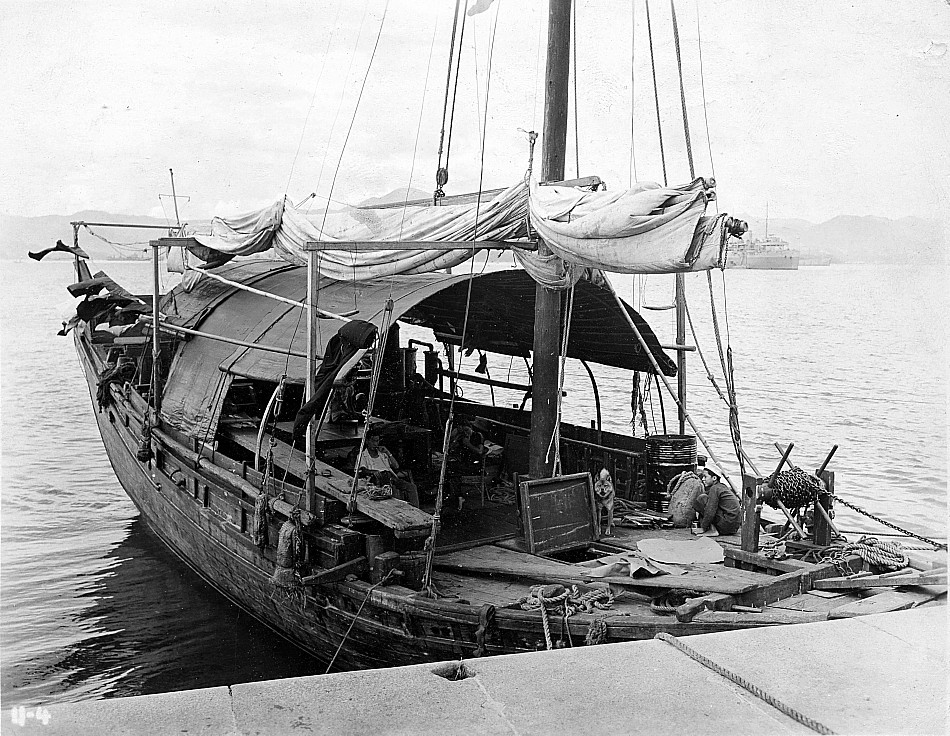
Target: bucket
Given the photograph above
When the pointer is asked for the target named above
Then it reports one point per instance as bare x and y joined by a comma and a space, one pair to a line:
667, 456
413, 567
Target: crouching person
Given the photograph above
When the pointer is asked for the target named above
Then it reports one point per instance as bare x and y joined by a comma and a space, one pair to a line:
720, 511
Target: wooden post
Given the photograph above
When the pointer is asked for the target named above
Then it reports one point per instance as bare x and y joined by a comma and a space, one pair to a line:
156, 338
681, 354
750, 513
823, 524
313, 277
547, 319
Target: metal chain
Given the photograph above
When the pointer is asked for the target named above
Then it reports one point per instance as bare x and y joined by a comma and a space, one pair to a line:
937, 545
742, 682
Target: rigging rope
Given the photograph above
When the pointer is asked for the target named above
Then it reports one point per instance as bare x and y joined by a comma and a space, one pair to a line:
555, 442
702, 84
633, 148
380, 353
442, 173
427, 583
356, 109
679, 66
577, 144
726, 362
656, 93
313, 99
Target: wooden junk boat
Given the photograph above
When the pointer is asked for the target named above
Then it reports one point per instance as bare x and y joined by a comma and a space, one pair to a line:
197, 418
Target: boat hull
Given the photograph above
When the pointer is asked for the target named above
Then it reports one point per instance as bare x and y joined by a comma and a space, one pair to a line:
351, 623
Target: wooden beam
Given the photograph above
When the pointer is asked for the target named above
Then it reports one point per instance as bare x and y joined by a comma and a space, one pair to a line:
354, 246
750, 513
167, 327
881, 581
710, 602
891, 600
337, 573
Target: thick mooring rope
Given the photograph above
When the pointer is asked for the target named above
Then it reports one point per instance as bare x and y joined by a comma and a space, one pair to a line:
889, 555
743, 683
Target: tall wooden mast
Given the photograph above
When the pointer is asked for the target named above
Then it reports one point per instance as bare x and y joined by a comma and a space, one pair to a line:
547, 318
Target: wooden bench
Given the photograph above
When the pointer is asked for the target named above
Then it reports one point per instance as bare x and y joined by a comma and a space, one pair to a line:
404, 519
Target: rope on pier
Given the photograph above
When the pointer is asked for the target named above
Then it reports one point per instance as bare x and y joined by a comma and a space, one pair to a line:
743, 683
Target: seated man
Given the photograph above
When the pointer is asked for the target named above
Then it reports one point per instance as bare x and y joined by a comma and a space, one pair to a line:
720, 511
377, 460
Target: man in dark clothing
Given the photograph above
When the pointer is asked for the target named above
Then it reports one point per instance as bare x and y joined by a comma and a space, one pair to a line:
720, 511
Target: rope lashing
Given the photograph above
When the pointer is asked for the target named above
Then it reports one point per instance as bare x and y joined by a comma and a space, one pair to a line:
486, 617
596, 632
887, 555
386, 579
814, 725
550, 597
290, 556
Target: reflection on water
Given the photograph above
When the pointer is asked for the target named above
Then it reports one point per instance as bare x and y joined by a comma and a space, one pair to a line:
91, 605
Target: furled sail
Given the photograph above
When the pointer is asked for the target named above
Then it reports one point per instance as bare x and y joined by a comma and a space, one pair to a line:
287, 231
645, 229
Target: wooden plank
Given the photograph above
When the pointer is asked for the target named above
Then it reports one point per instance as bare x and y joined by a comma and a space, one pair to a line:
768, 617
809, 602
880, 581
403, 518
496, 560
891, 600
767, 563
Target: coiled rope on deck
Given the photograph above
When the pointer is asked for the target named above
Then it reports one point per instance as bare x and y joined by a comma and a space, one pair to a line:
547, 598
745, 684
888, 555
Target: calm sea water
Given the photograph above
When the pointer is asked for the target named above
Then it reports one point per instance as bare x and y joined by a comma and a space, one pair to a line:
92, 606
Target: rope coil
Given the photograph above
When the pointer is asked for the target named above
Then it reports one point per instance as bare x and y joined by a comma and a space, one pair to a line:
545, 598
887, 555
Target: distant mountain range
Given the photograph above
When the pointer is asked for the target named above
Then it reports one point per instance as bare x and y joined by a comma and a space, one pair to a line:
864, 239
847, 238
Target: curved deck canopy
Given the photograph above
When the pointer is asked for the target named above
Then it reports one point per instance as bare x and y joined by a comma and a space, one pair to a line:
501, 320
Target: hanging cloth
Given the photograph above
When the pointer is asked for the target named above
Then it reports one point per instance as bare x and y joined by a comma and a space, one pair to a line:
353, 336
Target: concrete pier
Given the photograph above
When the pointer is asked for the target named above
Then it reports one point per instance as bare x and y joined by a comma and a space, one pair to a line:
880, 674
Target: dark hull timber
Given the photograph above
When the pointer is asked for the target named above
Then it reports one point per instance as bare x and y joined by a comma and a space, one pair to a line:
204, 520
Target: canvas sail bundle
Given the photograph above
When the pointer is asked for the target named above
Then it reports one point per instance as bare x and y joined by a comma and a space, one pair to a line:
645, 229
287, 231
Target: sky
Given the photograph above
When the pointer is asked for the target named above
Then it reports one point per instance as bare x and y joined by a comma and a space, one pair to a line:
812, 108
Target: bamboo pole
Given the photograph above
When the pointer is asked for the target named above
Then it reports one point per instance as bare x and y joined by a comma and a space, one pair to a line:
276, 297
167, 327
